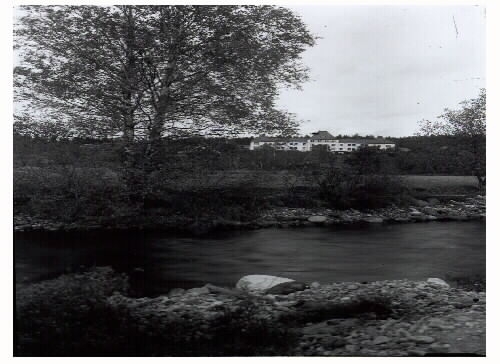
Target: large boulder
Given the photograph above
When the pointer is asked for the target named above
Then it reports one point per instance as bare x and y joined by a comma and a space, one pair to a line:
260, 282
287, 287
438, 282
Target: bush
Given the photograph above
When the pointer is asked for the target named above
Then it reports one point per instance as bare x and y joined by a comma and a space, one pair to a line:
68, 315
336, 188
343, 189
68, 193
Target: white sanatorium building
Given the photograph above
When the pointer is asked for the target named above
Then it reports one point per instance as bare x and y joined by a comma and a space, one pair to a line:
320, 138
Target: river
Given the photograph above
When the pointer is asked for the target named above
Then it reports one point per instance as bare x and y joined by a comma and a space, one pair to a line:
413, 251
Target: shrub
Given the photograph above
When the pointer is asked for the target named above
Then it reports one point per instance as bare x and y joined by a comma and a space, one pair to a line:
343, 189
68, 315
68, 193
336, 188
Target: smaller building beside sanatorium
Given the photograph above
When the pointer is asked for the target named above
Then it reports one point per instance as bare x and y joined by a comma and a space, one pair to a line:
320, 139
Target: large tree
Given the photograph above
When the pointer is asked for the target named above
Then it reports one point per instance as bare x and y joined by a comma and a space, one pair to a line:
150, 71
468, 124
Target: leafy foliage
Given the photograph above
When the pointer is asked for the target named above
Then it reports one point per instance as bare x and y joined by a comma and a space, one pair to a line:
469, 124
469, 120
149, 70
363, 181
68, 315
342, 189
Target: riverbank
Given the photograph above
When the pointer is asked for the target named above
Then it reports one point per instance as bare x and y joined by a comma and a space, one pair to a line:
384, 318
432, 209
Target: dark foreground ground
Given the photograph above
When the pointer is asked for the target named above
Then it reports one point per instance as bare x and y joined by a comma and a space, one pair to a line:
91, 314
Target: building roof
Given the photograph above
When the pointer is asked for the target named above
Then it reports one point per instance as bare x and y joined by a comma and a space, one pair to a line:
322, 135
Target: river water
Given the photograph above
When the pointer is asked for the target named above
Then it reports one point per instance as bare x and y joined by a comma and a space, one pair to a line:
413, 251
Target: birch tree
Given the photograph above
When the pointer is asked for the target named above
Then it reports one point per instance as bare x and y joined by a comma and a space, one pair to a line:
145, 72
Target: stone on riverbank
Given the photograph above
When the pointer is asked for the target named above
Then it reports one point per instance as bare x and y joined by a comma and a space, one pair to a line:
381, 340
176, 292
260, 282
373, 220
280, 216
287, 287
438, 282
318, 219
198, 291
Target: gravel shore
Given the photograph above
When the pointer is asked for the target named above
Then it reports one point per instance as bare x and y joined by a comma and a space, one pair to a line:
469, 208
384, 318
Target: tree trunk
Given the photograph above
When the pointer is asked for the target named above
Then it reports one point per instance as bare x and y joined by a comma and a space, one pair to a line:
133, 173
479, 170
154, 149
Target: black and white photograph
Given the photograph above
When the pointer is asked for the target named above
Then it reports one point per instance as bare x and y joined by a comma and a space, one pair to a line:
249, 180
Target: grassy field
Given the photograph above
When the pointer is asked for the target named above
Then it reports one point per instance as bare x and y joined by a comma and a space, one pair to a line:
448, 184
229, 178
286, 178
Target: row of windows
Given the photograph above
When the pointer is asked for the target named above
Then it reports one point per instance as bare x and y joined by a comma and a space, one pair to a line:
296, 148
331, 144
314, 141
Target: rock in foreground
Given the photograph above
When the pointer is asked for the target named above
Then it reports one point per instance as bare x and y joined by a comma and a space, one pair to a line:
260, 282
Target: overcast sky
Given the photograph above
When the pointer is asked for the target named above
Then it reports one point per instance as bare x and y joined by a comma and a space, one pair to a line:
380, 69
